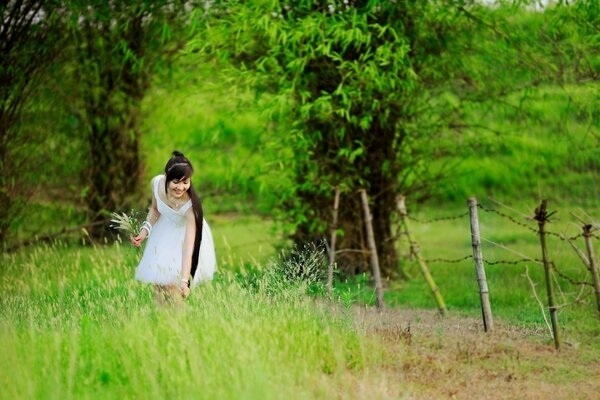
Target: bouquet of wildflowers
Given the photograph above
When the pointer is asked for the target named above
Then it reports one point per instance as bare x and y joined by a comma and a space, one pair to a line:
130, 224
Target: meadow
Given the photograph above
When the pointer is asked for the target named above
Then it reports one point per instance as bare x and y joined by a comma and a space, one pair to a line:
74, 324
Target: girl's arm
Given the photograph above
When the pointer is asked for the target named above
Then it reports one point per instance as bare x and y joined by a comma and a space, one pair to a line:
188, 247
152, 217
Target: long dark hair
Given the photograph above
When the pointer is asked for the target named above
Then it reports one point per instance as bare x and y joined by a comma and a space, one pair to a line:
179, 167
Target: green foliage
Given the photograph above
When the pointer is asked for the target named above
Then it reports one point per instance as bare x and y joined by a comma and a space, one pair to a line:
478, 114
357, 76
115, 49
361, 80
303, 269
307, 265
30, 39
378, 94
512, 113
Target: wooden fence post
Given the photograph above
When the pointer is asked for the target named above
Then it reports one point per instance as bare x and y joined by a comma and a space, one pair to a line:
414, 248
541, 216
336, 203
372, 249
587, 234
484, 295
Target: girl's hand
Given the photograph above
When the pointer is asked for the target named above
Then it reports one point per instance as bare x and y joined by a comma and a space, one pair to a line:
185, 290
137, 240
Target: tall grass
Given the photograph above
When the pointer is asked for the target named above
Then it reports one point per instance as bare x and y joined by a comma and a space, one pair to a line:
73, 324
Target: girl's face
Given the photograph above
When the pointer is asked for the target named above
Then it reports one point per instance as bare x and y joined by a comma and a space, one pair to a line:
178, 187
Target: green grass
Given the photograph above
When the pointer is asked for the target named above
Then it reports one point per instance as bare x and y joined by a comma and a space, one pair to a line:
74, 324
241, 240
536, 142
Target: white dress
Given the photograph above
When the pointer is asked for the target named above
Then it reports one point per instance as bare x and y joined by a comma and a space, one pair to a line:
161, 262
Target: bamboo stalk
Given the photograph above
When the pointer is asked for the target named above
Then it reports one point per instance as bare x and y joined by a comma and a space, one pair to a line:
587, 234
373, 249
541, 215
336, 203
414, 249
484, 295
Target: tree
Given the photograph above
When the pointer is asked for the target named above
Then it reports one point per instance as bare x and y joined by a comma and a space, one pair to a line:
117, 47
370, 89
378, 93
30, 40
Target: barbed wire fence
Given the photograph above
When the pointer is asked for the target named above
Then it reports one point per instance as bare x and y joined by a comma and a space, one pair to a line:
541, 217
552, 273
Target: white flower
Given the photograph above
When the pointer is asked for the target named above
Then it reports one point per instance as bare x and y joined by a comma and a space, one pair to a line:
129, 224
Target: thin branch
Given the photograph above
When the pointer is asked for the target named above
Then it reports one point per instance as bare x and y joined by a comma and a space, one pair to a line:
351, 251
562, 294
580, 253
510, 208
580, 297
475, 126
532, 284
512, 251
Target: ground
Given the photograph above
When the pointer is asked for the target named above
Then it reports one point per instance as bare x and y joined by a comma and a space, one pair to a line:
453, 358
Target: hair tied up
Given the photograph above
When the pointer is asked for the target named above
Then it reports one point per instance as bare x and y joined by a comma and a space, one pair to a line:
177, 154
178, 164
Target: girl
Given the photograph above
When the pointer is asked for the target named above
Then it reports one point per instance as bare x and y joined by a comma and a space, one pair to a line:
180, 249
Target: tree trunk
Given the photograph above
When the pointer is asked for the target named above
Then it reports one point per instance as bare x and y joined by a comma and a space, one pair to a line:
381, 181
354, 256
383, 209
115, 166
5, 199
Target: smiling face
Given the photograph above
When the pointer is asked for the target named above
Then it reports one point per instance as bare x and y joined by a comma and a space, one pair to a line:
178, 187
178, 178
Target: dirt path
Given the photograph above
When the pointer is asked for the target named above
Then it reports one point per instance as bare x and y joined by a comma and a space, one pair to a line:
435, 358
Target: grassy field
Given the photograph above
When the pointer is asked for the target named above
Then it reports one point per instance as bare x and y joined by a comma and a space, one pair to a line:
73, 324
